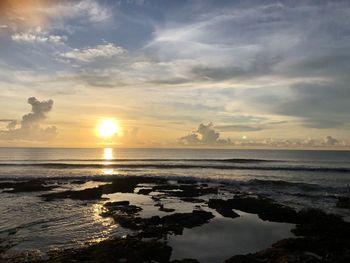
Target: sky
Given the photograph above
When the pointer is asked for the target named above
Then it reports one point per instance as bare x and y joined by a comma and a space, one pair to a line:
175, 73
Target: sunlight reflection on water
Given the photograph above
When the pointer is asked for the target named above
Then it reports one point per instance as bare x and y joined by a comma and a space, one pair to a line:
108, 154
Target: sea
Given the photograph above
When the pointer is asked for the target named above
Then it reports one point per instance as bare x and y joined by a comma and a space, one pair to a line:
297, 178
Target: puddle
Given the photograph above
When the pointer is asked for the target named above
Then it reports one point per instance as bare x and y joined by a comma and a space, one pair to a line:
223, 238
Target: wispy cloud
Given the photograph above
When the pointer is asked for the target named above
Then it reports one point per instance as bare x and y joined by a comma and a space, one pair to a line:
104, 51
38, 36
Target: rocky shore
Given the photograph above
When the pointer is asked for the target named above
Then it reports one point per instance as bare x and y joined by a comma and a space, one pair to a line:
318, 236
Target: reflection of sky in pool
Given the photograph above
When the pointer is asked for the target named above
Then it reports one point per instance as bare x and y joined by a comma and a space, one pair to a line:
69, 223
217, 240
223, 237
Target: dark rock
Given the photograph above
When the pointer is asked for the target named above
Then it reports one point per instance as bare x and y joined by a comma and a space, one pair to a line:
116, 203
27, 186
86, 194
128, 184
314, 222
145, 191
325, 238
185, 190
343, 202
322, 246
166, 187
117, 185
156, 226
130, 250
78, 182
120, 207
275, 255
156, 198
192, 200
186, 260
265, 208
223, 207
187, 181
164, 209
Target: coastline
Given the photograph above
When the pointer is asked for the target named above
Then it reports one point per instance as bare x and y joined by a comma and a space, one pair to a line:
177, 206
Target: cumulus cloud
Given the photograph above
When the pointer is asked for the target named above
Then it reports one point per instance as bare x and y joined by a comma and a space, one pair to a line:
207, 135
89, 54
327, 142
29, 127
330, 141
204, 135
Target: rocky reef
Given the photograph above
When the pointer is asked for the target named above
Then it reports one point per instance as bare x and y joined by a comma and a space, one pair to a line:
318, 236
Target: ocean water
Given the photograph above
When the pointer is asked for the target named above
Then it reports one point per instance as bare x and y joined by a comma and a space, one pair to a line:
326, 168
296, 178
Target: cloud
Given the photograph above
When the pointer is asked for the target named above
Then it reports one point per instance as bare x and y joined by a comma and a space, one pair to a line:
327, 142
24, 14
29, 128
256, 65
277, 60
204, 135
38, 36
89, 54
91, 8
241, 128
330, 141
321, 105
235, 41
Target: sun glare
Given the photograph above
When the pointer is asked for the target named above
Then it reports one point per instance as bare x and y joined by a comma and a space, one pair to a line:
108, 154
108, 128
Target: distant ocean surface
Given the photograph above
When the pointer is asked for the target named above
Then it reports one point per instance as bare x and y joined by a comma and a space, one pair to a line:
326, 168
296, 178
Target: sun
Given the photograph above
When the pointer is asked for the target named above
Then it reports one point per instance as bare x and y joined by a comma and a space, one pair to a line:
107, 128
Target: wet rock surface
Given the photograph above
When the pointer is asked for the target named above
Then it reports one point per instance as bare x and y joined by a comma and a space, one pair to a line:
185, 190
300, 250
343, 202
131, 250
323, 238
192, 200
223, 207
265, 208
164, 209
158, 227
123, 207
115, 185
26, 186
145, 191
